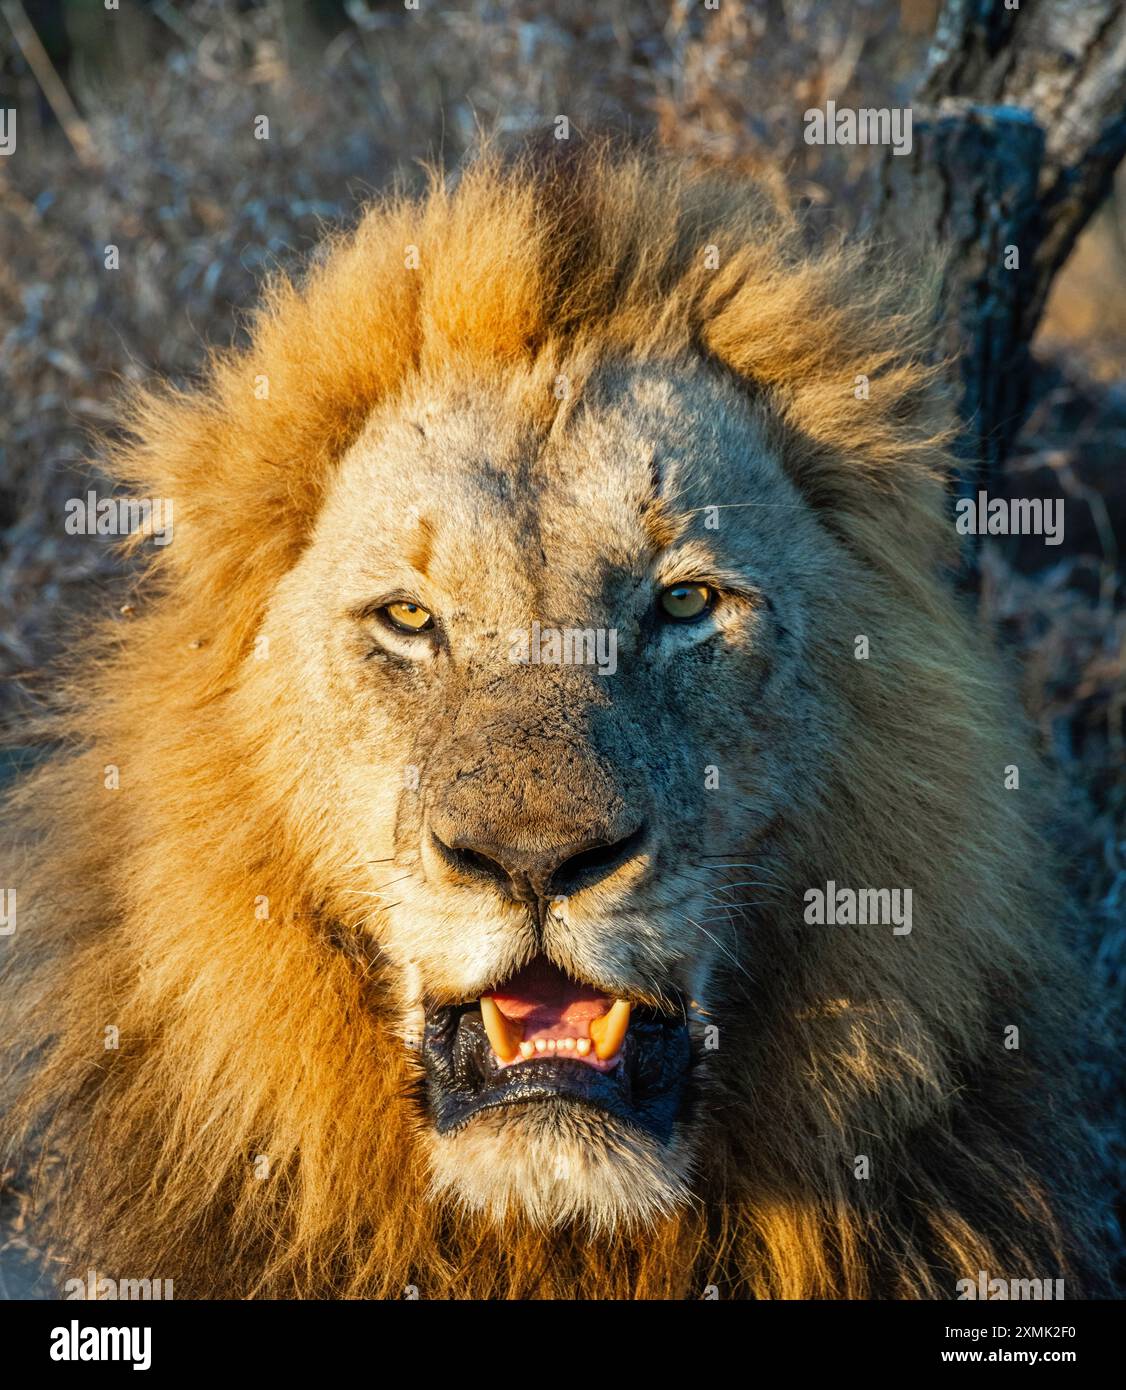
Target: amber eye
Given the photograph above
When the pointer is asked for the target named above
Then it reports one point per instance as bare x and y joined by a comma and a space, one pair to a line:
407, 616
683, 603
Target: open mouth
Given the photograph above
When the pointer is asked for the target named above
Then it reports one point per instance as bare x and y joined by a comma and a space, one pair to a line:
542, 1036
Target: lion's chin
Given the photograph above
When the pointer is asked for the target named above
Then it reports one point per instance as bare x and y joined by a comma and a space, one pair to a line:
556, 1162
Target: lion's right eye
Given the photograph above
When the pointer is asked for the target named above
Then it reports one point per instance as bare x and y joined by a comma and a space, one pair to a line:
685, 603
406, 616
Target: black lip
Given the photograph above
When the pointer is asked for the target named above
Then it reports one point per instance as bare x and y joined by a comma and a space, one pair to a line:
647, 1089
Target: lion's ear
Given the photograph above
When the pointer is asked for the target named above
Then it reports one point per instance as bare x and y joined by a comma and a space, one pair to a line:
246, 457
841, 349
553, 158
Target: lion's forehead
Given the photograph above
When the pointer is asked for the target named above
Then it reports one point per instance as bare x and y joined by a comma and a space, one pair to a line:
477, 486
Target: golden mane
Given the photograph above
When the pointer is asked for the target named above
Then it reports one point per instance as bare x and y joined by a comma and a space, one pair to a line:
137, 907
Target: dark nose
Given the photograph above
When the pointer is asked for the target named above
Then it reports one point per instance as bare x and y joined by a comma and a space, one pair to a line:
528, 876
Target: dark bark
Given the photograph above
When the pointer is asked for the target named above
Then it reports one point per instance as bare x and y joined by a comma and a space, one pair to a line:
1019, 125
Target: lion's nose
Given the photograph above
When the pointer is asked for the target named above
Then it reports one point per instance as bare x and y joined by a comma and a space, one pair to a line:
527, 876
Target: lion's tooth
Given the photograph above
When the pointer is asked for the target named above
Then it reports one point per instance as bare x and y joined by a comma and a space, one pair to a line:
608, 1032
541, 1044
504, 1035
527, 1049
582, 1046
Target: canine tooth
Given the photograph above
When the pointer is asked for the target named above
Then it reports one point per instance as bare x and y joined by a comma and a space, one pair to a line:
504, 1035
582, 1046
527, 1049
609, 1031
541, 1045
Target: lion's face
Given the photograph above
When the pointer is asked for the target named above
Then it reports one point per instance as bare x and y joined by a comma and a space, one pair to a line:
551, 694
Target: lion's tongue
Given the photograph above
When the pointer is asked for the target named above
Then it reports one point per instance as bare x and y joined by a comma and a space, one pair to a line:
548, 1004
541, 1011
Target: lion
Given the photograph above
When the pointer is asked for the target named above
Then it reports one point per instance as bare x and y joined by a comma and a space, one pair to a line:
420, 897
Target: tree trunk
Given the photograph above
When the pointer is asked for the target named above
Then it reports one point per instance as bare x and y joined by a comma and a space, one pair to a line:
1019, 125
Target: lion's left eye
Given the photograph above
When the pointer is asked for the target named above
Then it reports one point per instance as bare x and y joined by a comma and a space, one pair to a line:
407, 616
684, 603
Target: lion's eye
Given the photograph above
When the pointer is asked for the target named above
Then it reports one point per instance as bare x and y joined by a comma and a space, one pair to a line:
684, 603
407, 616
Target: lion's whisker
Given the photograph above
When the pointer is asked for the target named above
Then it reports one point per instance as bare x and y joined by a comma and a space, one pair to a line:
719, 944
752, 868
747, 883
392, 881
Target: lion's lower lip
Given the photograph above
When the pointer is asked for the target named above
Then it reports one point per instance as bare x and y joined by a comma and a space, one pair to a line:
646, 1089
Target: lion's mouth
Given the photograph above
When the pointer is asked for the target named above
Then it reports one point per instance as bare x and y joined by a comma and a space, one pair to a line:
542, 1036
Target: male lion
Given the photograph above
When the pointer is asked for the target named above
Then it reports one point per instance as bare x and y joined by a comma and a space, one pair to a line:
418, 896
